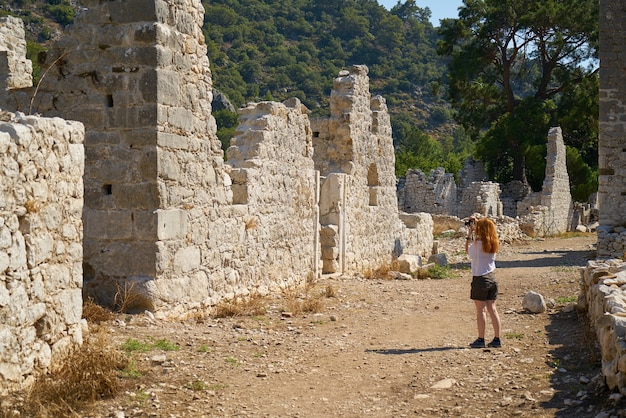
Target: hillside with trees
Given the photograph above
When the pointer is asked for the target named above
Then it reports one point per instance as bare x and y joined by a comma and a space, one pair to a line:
276, 49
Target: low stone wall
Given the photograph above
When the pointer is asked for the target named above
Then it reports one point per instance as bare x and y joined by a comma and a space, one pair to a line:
602, 288
435, 194
481, 197
41, 203
611, 241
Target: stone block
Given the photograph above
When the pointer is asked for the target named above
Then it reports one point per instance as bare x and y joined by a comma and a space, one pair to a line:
409, 263
439, 259
172, 224
138, 196
108, 225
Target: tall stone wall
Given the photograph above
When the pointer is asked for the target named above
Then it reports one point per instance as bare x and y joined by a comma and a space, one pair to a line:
275, 187
356, 141
41, 202
612, 133
555, 192
136, 74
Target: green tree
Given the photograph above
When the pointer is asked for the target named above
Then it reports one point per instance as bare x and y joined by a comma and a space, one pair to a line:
512, 63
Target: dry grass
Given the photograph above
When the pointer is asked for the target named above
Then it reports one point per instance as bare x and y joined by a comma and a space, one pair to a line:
306, 304
84, 377
129, 298
304, 301
96, 314
382, 272
252, 305
329, 292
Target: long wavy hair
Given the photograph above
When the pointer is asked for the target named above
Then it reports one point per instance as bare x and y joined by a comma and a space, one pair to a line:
487, 234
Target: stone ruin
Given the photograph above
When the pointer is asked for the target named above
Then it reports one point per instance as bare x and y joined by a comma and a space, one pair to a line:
435, 194
544, 213
41, 253
165, 222
603, 281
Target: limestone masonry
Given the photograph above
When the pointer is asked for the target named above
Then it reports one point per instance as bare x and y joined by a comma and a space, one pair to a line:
168, 224
118, 188
41, 253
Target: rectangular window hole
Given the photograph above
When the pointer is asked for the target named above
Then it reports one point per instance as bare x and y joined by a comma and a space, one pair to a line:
109, 100
107, 189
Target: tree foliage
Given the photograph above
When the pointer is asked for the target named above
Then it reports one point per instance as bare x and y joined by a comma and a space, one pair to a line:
516, 66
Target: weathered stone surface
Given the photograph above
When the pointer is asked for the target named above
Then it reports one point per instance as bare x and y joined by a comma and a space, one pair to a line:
602, 288
534, 302
41, 261
611, 140
409, 263
167, 219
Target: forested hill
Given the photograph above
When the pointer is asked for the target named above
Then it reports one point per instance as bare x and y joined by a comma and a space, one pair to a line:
277, 49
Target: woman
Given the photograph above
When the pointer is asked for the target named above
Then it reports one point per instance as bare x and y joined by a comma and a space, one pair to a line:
481, 247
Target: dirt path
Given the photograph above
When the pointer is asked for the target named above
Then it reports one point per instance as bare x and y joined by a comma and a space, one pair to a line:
381, 348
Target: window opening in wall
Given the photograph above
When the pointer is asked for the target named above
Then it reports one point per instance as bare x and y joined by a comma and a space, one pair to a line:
373, 183
109, 100
107, 189
316, 134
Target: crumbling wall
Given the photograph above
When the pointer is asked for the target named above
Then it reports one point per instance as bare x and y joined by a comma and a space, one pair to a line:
472, 171
275, 188
612, 132
359, 211
555, 192
550, 211
481, 197
136, 74
15, 70
41, 202
435, 194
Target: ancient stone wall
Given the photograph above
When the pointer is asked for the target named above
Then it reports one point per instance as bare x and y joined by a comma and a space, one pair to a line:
612, 132
471, 172
15, 70
550, 211
354, 153
41, 202
481, 197
603, 296
169, 225
435, 194
136, 74
275, 187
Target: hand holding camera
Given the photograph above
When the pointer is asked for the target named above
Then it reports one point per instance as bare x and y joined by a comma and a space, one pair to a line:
470, 228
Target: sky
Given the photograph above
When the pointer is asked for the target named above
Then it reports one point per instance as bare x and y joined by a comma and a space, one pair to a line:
440, 9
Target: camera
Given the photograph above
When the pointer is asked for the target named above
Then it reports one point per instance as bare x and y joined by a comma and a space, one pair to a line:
469, 222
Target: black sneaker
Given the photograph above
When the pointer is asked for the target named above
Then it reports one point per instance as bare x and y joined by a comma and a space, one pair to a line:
479, 343
495, 343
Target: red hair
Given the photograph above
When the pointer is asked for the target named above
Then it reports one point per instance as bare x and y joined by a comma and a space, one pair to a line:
486, 232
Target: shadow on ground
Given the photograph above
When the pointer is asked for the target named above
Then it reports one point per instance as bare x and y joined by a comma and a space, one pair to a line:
412, 350
579, 388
